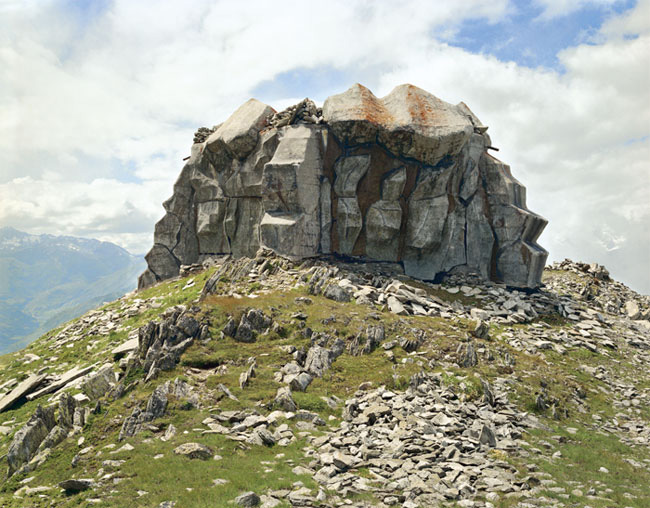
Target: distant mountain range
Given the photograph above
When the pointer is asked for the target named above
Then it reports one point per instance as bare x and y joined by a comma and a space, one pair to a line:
46, 280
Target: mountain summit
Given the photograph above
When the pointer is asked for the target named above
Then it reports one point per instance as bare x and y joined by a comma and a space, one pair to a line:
405, 179
273, 383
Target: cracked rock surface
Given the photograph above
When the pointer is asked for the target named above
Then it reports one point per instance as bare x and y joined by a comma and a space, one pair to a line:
405, 178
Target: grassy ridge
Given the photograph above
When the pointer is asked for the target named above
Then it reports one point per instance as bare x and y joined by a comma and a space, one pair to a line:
566, 454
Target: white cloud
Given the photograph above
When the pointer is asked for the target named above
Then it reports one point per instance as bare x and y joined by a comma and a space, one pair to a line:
634, 21
87, 106
557, 8
102, 208
85, 101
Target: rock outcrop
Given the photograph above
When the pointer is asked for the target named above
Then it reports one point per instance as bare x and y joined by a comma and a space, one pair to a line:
27, 440
161, 344
406, 178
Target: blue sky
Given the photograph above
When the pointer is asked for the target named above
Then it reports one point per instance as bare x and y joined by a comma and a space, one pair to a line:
532, 40
100, 100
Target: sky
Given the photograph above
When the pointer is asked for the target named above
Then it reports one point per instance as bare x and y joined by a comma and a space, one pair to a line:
99, 100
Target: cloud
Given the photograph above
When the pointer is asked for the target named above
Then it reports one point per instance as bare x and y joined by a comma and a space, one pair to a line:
557, 8
99, 107
103, 104
634, 21
102, 208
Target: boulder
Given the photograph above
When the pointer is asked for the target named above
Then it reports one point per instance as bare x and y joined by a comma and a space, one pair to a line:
632, 309
247, 499
194, 451
300, 382
156, 406
239, 133
404, 178
99, 383
488, 437
75, 485
366, 343
53, 438
319, 360
161, 344
21, 390
26, 441
245, 332
67, 407
480, 330
263, 437
284, 400
469, 357
395, 306
337, 293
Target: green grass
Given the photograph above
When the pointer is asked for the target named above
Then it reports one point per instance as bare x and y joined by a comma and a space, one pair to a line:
221, 361
582, 455
241, 466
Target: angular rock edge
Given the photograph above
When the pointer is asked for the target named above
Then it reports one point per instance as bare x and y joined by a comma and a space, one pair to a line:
406, 178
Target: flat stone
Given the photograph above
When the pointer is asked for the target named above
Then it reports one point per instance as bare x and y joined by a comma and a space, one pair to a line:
67, 377
125, 347
395, 306
23, 388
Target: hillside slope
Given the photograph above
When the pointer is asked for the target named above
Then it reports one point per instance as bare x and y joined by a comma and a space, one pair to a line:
329, 384
46, 280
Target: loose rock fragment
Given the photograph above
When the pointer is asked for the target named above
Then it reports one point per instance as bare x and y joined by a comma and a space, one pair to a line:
194, 451
247, 499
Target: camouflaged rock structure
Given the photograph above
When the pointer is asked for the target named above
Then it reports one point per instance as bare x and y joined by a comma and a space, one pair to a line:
406, 178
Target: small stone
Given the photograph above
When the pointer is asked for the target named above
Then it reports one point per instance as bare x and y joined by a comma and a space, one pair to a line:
169, 433
481, 330
487, 437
